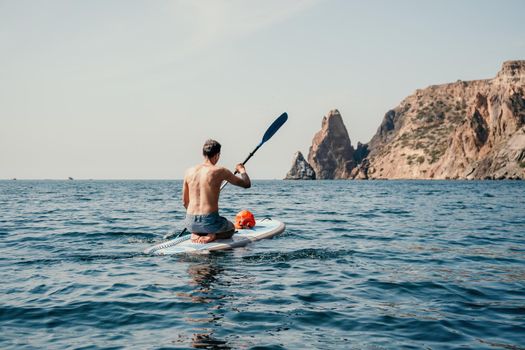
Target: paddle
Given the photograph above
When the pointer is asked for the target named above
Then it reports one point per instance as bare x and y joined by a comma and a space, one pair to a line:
276, 125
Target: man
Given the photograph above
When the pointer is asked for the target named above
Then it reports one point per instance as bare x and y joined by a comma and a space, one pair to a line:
200, 195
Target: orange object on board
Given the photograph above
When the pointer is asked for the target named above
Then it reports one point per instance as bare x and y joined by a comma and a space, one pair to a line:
244, 219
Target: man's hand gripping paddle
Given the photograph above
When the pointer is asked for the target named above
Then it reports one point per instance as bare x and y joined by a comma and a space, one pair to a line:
276, 125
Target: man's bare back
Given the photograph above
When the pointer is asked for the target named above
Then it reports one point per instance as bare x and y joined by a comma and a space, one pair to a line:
202, 185
201, 189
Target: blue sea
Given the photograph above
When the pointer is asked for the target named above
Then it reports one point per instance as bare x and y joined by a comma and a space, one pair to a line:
361, 265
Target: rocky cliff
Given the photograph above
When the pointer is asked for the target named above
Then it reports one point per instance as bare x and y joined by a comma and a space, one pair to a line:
463, 130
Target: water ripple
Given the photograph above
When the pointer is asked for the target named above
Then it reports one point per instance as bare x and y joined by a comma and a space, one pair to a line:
362, 265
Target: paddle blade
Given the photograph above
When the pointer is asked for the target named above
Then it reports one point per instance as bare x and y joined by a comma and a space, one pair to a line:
274, 127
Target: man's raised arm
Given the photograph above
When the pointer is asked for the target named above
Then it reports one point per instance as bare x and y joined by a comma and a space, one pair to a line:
241, 181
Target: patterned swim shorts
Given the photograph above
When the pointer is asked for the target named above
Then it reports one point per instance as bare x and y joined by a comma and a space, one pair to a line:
208, 223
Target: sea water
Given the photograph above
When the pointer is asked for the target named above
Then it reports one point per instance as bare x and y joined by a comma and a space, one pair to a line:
361, 265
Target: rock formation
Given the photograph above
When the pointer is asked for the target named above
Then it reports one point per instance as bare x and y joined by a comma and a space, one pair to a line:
300, 170
462, 130
331, 153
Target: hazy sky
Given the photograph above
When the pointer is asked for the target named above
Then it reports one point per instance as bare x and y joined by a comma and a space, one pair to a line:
132, 89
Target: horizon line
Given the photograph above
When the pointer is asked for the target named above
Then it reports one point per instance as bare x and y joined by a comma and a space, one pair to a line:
105, 179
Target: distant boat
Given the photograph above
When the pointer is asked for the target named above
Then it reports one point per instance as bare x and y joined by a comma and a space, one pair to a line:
70, 178
14, 178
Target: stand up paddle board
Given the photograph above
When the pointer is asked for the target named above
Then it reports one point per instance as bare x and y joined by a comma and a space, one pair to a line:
265, 228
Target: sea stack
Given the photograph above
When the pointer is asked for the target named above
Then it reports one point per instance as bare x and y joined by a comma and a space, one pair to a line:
331, 153
300, 170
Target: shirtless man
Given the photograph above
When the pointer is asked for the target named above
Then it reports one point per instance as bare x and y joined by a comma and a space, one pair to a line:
200, 195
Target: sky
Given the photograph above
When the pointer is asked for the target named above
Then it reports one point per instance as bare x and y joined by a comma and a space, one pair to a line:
105, 89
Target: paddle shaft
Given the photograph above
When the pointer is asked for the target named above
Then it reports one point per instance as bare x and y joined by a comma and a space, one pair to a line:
245, 161
251, 155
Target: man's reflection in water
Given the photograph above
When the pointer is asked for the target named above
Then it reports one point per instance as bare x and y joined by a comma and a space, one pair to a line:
203, 274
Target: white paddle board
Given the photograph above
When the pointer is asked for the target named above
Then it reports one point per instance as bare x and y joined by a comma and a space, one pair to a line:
264, 228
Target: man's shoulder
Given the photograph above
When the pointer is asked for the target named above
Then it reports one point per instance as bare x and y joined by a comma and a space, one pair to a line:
217, 169
221, 172
190, 171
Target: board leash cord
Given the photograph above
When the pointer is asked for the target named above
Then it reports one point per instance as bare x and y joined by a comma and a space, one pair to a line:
167, 244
